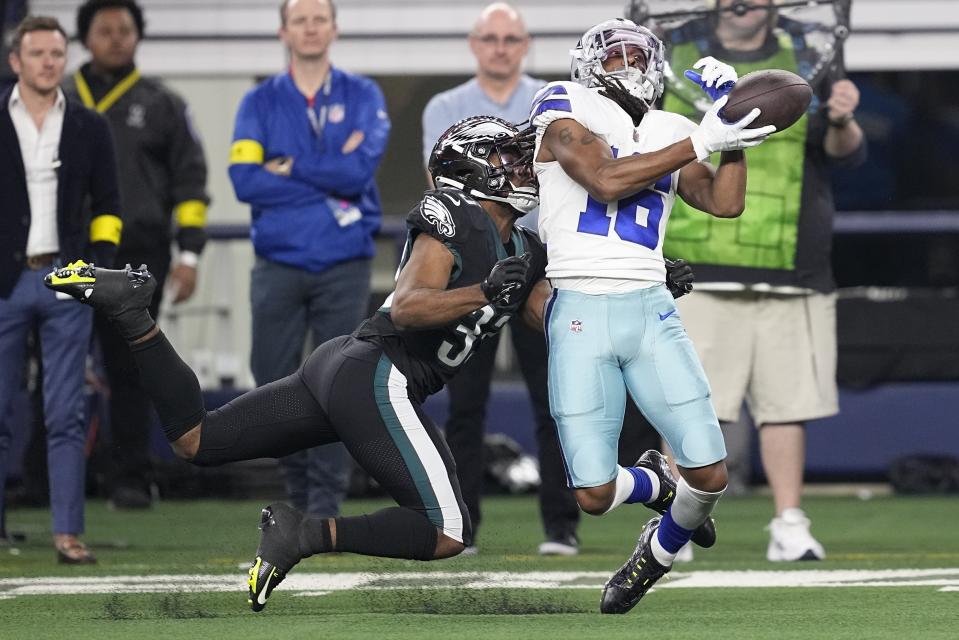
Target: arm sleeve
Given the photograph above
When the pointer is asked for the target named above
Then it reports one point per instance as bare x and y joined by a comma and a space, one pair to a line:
105, 221
856, 158
348, 174
251, 182
187, 167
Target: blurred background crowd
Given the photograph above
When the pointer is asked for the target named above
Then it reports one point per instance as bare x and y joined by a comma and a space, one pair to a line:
173, 80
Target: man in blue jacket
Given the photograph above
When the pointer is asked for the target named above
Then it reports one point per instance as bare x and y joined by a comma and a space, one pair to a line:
60, 198
306, 146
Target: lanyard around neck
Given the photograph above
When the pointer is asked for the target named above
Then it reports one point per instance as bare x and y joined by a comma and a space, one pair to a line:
318, 122
113, 94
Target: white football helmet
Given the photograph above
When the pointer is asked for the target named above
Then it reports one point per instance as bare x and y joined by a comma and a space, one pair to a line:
618, 36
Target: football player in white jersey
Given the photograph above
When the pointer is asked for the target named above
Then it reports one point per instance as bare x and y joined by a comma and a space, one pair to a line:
610, 167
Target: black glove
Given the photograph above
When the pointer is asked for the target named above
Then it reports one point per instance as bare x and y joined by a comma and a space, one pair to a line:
505, 280
679, 277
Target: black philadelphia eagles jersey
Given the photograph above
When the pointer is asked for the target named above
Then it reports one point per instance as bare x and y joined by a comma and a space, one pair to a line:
428, 357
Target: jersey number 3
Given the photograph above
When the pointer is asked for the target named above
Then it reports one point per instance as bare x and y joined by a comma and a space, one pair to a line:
596, 221
474, 327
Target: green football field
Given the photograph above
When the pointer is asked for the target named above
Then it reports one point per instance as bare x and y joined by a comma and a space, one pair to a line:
174, 572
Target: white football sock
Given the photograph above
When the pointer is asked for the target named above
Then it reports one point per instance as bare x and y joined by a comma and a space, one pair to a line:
662, 556
625, 483
691, 507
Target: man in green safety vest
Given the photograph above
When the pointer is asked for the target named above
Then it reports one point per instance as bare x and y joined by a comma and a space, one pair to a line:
763, 318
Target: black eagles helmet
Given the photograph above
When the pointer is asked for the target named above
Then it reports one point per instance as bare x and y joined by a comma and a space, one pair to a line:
461, 159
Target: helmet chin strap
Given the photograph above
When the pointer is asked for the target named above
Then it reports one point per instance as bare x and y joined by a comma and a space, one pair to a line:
522, 199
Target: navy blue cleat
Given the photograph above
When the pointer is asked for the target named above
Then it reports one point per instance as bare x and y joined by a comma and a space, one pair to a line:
705, 534
635, 578
278, 552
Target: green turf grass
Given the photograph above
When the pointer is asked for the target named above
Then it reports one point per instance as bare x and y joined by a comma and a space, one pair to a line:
214, 537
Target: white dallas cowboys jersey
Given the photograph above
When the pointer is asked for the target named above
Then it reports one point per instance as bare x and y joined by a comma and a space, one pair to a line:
586, 238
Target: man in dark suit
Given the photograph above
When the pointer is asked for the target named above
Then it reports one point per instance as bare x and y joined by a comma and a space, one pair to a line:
59, 185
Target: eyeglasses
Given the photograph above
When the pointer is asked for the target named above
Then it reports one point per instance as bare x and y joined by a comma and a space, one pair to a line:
490, 40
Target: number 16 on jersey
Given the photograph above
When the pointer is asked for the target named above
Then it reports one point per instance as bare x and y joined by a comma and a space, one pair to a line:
595, 218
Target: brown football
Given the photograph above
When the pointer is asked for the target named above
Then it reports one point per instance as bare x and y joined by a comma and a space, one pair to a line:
781, 96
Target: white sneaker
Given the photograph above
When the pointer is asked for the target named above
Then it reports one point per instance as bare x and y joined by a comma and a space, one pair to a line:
790, 540
685, 553
565, 546
471, 550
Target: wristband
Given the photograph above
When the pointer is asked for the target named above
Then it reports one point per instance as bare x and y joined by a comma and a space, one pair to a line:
839, 123
188, 259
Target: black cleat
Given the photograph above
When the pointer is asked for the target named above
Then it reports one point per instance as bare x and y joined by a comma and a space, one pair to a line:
656, 462
76, 279
705, 534
110, 291
278, 552
123, 295
635, 578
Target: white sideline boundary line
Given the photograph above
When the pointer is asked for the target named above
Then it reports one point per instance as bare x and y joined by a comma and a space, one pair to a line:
316, 584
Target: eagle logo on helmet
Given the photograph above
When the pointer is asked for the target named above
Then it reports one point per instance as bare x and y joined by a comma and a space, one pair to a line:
436, 213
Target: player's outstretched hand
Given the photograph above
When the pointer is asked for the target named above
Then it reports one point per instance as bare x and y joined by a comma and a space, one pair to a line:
505, 280
715, 134
679, 277
716, 78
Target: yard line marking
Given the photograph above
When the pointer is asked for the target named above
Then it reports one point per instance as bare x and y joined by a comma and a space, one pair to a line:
315, 584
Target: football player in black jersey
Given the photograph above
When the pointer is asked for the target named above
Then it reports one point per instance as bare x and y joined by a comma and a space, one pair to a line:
465, 271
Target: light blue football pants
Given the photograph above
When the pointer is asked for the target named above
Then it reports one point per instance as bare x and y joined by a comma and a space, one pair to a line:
600, 347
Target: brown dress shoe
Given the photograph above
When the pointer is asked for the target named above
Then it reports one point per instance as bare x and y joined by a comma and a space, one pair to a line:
71, 551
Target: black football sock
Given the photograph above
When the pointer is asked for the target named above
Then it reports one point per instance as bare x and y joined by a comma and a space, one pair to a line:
396, 532
315, 536
171, 384
133, 324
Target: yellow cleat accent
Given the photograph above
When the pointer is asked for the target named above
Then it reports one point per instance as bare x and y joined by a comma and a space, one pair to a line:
254, 570
74, 273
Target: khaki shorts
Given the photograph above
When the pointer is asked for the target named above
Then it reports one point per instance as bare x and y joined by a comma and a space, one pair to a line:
777, 352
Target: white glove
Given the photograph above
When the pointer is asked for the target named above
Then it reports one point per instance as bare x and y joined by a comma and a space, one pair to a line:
715, 73
713, 134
